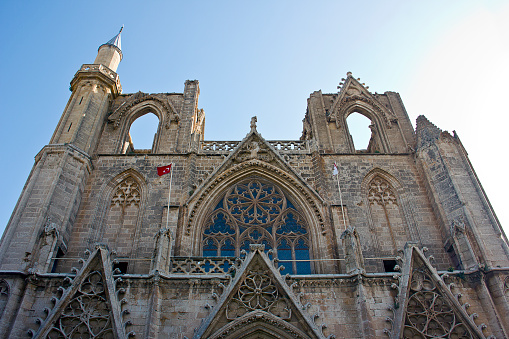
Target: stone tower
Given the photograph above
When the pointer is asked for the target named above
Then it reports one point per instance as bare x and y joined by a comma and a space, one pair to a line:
256, 240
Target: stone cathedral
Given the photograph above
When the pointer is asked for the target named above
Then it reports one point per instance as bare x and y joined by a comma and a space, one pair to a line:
256, 240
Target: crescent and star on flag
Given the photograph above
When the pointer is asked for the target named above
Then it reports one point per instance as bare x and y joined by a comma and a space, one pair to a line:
163, 170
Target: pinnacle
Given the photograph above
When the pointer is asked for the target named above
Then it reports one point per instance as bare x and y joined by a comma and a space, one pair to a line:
426, 132
424, 123
349, 75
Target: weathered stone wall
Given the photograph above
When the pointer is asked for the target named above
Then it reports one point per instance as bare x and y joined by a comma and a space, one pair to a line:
349, 307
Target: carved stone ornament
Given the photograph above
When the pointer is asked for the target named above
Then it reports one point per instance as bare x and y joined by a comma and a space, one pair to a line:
50, 229
120, 112
127, 194
426, 306
381, 193
458, 225
258, 303
258, 292
91, 304
429, 315
353, 93
253, 123
87, 314
255, 149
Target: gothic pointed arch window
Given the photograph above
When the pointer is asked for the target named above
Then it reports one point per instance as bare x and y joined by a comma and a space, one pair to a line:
255, 211
122, 217
389, 224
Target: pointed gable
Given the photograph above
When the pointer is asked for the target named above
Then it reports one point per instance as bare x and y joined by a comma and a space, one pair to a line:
89, 307
254, 152
257, 301
353, 93
427, 307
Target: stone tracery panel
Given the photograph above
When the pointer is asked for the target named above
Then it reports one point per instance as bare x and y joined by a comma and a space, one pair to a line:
389, 225
127, 194
258, 292
428, 314
258, 212
88, 314
122, 217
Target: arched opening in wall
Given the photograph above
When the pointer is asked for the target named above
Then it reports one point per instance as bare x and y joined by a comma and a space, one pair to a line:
142, 134
362, 133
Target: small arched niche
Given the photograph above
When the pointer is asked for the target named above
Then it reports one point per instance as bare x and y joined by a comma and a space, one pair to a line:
142, 135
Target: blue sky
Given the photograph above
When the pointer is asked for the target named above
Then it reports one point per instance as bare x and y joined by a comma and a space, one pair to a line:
447, 59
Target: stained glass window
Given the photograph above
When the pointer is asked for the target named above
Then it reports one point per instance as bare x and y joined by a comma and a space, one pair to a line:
258, 212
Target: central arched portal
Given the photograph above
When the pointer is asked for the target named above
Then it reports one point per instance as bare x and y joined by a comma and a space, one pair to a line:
257, 211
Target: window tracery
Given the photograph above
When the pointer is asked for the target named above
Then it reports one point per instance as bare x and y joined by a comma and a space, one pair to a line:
123, 216
389, 224
88, 314
380, 192
258, 292
127, 194
428, 314
257, 212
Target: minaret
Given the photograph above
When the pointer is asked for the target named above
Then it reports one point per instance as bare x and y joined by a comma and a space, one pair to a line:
44, 215
110, 53
93, 86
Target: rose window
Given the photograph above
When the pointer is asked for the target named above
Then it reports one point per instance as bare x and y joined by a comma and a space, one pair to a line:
255, 211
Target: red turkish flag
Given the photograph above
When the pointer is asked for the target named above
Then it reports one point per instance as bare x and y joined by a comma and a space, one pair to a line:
163, 170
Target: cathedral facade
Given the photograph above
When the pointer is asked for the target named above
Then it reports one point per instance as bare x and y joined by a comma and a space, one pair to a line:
257, 238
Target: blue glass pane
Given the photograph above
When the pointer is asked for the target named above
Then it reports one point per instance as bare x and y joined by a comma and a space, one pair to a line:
207, 266
262, 217
226, 266
209, 253
245, 245
209, 248
249, 216
219, 226
268, 190
254, 186
267, 244
284, 243
291, 226
255, 235
228, 249
284, 254
302, 253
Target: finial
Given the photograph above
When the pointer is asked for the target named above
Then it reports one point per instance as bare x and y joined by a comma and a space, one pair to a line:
253, 123
121, 28
348, 74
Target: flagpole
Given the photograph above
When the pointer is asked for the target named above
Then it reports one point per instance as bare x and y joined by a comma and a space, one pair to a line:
169, 195
340, 197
